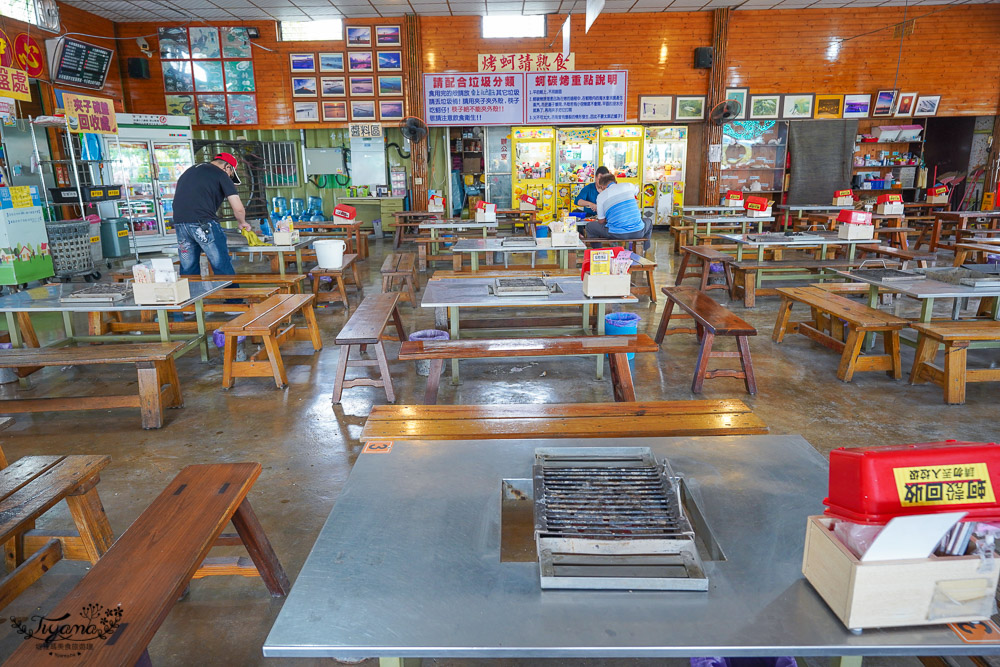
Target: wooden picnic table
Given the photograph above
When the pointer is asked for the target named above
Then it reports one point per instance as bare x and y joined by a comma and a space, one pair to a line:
528, 219
279, 250
407, 220
356, 238
957, 220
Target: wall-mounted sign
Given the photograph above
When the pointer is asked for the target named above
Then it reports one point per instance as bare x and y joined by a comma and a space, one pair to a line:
6, 50
28, 54
526, 62
365, 130
473, 99
8, 110
90, 114
77, 63
14, 83
576, 98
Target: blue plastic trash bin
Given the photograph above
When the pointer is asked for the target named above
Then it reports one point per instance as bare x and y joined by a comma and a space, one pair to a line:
622, 324
424, 365
541, 231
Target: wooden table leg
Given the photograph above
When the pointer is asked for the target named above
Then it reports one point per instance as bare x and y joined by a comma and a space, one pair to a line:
701, 368
261, 553
383, 367
621, 377
150, 406
90, 519
661, 330
955, 371
749, 379
433, 381
338, 382
397, 322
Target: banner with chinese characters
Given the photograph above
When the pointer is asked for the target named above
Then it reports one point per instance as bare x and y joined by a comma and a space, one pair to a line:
526, 62
90, 114
14, 83
575, 98
365, 130
473, 99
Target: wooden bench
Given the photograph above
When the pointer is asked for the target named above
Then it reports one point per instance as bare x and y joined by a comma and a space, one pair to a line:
827, 310
425, 253
338, 285
711, 320
364, 328
561, 420
904, 256
683, 236
402, 267
955, 336
268, 321
643, 272
146, 571
288, 284
745, 274
706, 256
158, 386
978, 250
616, 347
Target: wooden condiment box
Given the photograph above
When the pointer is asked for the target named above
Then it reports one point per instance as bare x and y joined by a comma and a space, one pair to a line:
885, 594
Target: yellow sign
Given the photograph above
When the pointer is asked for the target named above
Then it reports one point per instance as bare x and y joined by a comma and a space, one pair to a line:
122, 233
14, 83
90, 114
958, 484
95, 239
526, 62
20, 197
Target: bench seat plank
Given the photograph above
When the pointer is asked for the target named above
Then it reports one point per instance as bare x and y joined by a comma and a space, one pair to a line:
660, 409
525, 347
844, 308
369, 320
124, 353
956, 337
961, 330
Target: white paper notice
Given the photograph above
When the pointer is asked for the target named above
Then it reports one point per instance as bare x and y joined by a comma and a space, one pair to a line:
715, 153
911, 536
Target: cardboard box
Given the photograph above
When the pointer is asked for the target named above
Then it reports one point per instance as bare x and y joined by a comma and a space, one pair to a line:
843, 198
286, 238
565, 239
161, 293
607, 285
909, 133
894, 593
528, 203
886, 132
472, 165
733, 198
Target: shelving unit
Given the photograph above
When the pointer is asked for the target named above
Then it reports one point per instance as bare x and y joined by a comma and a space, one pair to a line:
906, 174
755, 159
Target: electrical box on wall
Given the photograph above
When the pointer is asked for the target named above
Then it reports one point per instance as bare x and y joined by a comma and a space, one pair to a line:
324, 161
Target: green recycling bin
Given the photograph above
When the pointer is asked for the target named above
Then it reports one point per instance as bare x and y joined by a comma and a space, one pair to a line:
114, 238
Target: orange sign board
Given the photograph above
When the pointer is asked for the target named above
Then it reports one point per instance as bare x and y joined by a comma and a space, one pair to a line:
90, 114
977, 632
29, 55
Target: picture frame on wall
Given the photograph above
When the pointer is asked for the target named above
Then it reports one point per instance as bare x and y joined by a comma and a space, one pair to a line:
363, 110
927, 105
885, 102
689, 107
303, 86
332, 86
390, 61
741, 95
390, 110
331, 62
204, 42
765, 107
656, 108
306, 112
905, 104
387, 35
359, 36
389, 86
360, 61
828, 106
335, 111
302, 62
857, 106
362, 86
797, 106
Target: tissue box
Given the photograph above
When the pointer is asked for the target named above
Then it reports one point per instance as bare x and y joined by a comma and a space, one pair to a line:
886, 132
894, 593
528, 203
607, 285
843, 198
909, 133
565, 239
851, 231
286, 238
161, 293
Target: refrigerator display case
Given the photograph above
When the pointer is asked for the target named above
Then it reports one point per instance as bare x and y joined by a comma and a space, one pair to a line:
663, 173
498, 160
533, 168
577, 152
621, 152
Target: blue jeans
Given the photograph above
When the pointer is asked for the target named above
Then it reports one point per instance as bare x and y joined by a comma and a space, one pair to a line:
596, 230
207, 236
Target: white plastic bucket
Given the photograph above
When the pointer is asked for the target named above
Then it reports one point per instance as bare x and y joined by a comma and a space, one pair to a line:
330, 253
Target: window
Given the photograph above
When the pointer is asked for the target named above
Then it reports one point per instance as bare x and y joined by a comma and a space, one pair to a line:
306, 31
281, 168
21, 10
513, 26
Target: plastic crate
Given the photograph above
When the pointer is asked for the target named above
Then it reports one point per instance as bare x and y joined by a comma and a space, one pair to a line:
69, 243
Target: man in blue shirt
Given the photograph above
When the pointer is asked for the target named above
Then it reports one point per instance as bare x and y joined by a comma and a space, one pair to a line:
587, 199
618, 214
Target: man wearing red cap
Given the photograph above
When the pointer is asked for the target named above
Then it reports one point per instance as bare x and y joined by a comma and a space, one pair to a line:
200, 191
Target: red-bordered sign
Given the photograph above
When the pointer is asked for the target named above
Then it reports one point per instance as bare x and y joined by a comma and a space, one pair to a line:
6, 50
28, 55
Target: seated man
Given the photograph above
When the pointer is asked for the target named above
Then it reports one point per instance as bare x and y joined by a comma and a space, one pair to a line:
618, 212
587, 199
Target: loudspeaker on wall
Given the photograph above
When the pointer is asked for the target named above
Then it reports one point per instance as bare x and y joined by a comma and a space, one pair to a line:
138, 68
703, 57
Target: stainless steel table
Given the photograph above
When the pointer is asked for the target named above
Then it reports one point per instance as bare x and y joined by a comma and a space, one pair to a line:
279, 249
799, 209
477, 246
46, 300
475, 293
408, 565
741, 222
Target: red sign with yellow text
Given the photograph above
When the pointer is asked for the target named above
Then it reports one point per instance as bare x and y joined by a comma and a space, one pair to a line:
6, 50
91, 114
28, 55
14, 83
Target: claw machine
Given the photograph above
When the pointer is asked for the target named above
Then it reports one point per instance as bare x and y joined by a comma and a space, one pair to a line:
621, 152
663, 173
533, 174
577, 152
155, 151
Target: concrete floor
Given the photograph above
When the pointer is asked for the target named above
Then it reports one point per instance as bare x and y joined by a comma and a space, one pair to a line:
307, 449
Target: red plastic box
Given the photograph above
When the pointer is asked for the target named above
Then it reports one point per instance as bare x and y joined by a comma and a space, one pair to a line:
344, 211
875, 484
853, 217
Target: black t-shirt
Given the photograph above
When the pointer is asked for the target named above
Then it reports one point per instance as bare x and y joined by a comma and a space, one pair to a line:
200, 191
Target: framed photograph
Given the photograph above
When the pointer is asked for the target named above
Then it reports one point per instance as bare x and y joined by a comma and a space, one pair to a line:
765, 107
389, 86
363, 110
212, 109
390, 110
306, 112
359, 36
390, 61
797, 106
242, 109
177, 76
334, 111
362, 85
690, 108
332, 86
303, 86
740, 95
387, 35
857, 106
181, 105
302, 62
239, 76
885, 101
359, 62
829, 106
331, 62
208, 77
173, 44
204, 42
235, 42
656, 108
927, 105
905, 103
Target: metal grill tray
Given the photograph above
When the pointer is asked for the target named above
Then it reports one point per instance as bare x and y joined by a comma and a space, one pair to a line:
777, 236
888, 275
101, 292
518, 242
520, 287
